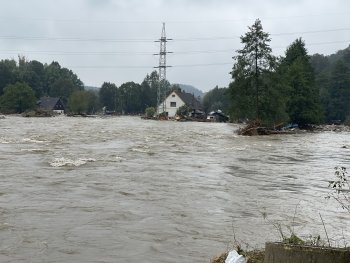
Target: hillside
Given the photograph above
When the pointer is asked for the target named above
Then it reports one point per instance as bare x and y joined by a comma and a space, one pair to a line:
191, 89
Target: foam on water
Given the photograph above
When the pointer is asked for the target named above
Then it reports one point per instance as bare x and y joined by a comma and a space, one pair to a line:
141, 149
60, 162
5, 140
29, 140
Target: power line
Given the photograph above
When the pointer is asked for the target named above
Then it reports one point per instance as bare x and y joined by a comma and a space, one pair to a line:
312, 32
140, 53
35, 38
73, 20
144, 40
143, 67
78, 53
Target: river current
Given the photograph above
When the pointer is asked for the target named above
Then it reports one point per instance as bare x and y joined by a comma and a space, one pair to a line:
122, 189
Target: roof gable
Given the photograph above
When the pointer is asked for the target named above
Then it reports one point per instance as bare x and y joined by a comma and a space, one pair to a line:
48, 103
189, 99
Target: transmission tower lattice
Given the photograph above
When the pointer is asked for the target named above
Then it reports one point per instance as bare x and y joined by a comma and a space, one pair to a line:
161, 106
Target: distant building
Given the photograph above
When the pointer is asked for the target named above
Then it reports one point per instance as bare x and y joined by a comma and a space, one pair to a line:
217, 116
51, 104
178, 98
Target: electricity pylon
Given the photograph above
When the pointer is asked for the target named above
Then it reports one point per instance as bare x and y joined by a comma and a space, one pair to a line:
162, 72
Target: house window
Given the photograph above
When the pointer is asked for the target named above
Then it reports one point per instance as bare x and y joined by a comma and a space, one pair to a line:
173, 95
172, 104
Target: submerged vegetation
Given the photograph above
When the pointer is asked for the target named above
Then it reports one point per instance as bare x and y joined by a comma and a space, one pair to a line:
340, 192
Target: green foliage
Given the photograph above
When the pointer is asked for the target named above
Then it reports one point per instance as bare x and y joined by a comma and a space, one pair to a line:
183, 111
62, 88
77, 102
332, 78
108, 96
294, 240
150, 112
32, 73
254, 91
8, 73
130, 98
49, 80
339, 92
149, 88
17, 98
92, 101
216, 99
61, 82
303, 105
83, 102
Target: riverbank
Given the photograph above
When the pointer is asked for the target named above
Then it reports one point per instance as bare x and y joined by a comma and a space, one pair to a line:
292, 253
255, 130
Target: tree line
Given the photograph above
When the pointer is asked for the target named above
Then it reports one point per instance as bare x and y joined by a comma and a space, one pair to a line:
23, 83
295, 87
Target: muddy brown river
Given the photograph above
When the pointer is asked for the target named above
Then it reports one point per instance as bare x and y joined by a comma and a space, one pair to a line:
122, 189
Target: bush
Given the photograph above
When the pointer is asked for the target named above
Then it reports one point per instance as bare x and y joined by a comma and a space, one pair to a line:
150, 111
183, 111
17, 98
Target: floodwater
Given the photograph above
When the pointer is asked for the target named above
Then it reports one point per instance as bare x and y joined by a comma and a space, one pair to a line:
122, 189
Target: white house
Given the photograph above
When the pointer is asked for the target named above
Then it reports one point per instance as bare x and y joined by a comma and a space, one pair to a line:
176, 99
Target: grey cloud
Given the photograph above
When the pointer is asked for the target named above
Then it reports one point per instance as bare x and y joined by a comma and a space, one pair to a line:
141, 19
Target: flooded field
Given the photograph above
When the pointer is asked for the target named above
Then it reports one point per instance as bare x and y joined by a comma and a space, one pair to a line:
127, 190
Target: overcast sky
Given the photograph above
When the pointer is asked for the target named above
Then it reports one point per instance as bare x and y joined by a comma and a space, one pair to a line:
113, 40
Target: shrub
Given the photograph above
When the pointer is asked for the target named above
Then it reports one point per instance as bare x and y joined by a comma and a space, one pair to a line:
150, 111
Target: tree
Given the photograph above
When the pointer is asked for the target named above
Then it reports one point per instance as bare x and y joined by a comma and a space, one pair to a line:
8, 73
60, 82
32, 73
77, 102
17, 98
252, 73
92, 101
108, 96
216, 99
303, 105
149, 88
62, 88
339, 93
83, 102
130, 98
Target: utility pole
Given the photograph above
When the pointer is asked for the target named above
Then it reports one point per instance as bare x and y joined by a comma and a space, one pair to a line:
162, 72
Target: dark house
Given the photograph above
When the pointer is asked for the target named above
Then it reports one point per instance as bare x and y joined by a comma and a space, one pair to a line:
190, 100
51, 104
196, 108
217, 116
